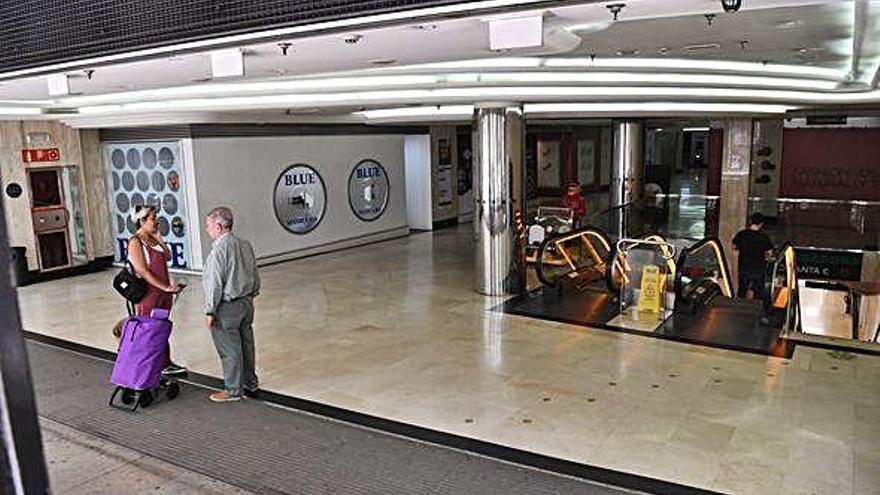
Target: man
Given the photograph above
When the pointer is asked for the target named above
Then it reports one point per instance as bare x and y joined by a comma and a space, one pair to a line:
754, 248
231, 283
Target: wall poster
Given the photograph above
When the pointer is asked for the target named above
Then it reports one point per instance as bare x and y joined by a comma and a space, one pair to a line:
586, 162
445, 185
549, 168
300, 199
148, 173
368, 187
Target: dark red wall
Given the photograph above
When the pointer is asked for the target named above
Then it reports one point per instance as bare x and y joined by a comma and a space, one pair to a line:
839, 164
713, 173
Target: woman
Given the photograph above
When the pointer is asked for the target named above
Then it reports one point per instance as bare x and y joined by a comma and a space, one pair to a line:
149, 256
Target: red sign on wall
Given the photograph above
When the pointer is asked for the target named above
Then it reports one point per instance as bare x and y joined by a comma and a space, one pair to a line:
842, 164
41, 155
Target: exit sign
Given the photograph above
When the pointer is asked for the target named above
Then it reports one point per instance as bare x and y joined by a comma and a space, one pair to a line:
41, 155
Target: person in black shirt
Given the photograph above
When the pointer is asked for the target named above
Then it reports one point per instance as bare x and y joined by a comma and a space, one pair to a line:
754, 248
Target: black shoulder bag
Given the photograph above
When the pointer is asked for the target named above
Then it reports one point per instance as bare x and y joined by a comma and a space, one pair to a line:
129, 285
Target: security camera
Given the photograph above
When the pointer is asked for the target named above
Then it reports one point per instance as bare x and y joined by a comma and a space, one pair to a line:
731, 5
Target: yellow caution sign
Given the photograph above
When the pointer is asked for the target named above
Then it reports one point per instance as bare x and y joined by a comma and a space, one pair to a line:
652, 289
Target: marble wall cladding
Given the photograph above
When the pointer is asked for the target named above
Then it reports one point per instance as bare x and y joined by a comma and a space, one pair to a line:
80, 148
18, 216
735, 166
98, 219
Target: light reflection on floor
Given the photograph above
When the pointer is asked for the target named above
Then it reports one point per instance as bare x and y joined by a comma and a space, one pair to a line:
394, 330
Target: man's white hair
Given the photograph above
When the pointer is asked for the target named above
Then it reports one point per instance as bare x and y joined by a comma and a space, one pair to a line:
222, 215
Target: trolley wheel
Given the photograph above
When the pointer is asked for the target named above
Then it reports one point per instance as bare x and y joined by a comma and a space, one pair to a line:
173, 390
146, 398
128, 396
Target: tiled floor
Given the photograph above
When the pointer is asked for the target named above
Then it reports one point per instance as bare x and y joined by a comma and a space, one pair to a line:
394, 329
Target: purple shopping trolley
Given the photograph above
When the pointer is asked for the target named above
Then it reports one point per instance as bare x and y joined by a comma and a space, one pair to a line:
143, 350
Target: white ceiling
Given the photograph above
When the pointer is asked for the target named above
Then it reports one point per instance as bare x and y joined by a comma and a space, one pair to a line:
796, 32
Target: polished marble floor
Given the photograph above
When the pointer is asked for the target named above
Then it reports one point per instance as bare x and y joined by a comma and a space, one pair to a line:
393, 329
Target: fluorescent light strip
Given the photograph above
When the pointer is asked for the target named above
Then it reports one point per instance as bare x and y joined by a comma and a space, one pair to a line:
449, 95
640, 78
635, 63
405, 16
695, 129
461, 111
209, 90
20, 111
653, 107
688, 64
434, 111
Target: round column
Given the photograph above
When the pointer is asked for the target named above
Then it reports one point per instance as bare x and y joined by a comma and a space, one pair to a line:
499, 136
627, 169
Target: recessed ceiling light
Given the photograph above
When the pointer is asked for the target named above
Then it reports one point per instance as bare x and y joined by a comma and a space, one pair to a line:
664, 50
629, 52
802, 50
704, 46
383, 61
787, 24
353, 39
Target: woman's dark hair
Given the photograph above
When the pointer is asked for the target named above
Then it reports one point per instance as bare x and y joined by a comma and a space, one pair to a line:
139, 208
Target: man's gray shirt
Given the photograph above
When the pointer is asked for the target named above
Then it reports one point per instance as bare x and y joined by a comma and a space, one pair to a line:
230, 272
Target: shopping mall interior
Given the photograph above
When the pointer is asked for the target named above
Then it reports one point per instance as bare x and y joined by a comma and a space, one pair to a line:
499, 245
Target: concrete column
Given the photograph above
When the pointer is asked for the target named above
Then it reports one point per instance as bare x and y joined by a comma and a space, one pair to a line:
735, 166
628, 164
499, 137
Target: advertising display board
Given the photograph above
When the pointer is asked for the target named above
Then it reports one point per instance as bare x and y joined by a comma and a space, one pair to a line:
300, 199
148, 173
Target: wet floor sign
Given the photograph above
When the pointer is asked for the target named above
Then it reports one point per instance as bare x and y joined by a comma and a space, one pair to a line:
651, 290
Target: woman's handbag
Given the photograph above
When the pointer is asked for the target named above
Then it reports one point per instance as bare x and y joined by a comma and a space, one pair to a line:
129, 285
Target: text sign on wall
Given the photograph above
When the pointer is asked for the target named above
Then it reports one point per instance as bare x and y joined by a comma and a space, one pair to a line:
814, 264
841, 164
40, 155
300, 199
368, 190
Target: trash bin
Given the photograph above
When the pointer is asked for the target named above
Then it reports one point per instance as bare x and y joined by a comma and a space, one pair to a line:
18, 266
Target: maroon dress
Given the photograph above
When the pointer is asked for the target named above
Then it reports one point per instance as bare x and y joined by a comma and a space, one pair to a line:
156, 298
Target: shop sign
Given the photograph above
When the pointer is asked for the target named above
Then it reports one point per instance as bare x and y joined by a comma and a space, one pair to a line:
368, 187
40, 155
300, 199
815, 264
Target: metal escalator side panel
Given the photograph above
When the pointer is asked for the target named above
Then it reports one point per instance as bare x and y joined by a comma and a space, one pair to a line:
570, 254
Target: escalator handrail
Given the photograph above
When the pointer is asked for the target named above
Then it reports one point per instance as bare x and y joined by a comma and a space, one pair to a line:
539, 259
679, 266
794, 297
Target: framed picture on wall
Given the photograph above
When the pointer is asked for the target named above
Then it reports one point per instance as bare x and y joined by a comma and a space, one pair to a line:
549, 167
586, 162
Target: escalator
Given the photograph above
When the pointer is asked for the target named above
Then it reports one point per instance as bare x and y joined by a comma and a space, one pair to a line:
587, 281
